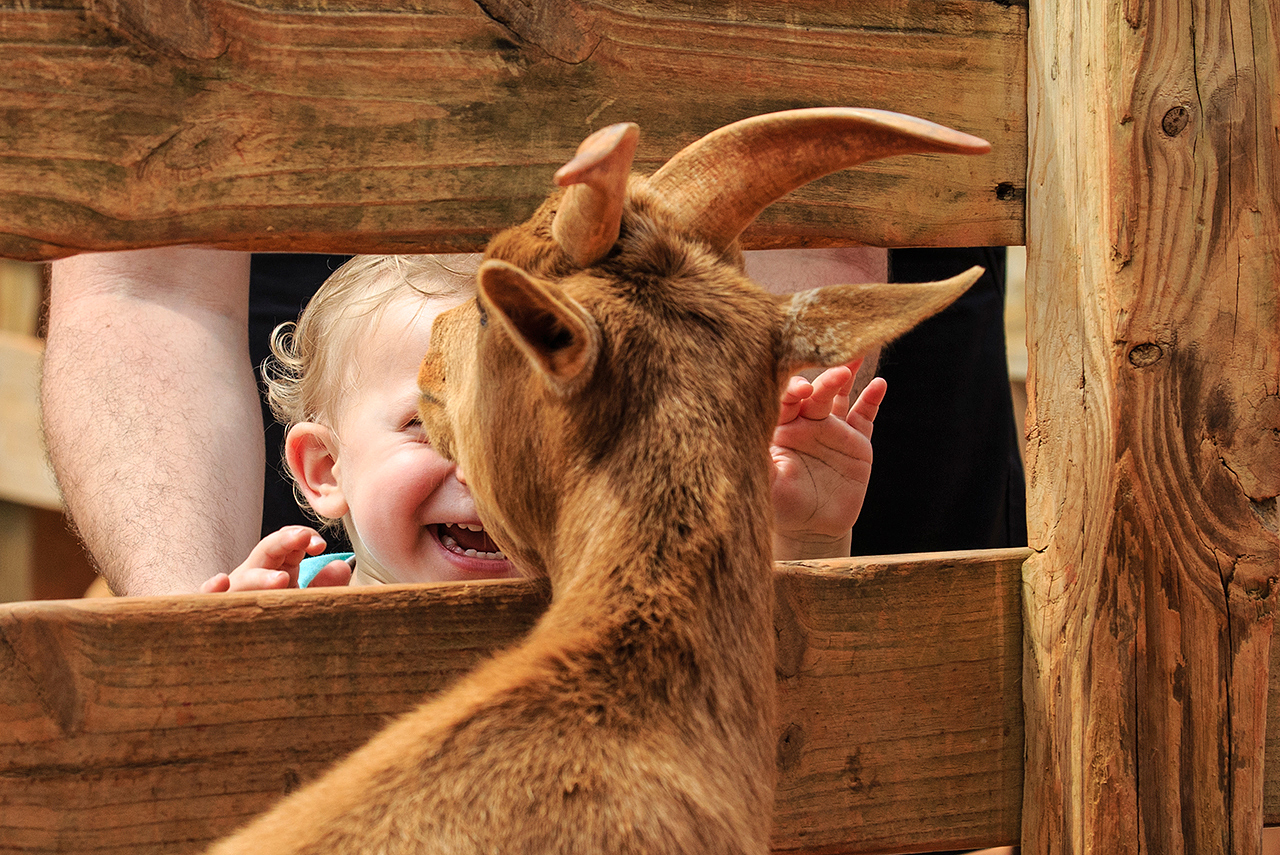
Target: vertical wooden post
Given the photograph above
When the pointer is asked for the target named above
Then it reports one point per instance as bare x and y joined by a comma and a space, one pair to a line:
1154, 442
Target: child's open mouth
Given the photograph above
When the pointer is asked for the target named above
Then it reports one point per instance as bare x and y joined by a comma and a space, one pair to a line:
469, 540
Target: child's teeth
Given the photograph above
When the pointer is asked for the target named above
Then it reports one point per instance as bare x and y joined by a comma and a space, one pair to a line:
452, 545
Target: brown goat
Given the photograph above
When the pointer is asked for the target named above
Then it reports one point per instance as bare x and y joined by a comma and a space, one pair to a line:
610, 397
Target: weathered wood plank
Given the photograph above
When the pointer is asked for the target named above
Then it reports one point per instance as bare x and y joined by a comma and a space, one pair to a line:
1153, 248
900, 712
154, 725
1271, 754
372, 126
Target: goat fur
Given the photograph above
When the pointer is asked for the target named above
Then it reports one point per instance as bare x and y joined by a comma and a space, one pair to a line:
613, 422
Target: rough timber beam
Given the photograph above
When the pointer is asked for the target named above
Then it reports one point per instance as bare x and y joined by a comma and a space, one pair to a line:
1153, 247
154, 725
379, 126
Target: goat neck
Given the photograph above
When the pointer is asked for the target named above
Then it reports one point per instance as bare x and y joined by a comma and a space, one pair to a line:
635, 477
609, 396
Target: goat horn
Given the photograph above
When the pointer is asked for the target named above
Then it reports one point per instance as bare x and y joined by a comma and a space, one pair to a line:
590, 214
717, 186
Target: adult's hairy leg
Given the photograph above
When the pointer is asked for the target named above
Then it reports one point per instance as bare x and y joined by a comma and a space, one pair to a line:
151, 413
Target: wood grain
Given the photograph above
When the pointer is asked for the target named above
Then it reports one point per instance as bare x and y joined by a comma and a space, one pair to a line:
901, 722
371, 126
1154, 448
155, 725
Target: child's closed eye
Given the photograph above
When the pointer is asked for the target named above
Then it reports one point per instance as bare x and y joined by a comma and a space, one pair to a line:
413, 427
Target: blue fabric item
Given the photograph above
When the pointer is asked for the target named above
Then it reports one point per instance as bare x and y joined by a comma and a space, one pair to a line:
309, 567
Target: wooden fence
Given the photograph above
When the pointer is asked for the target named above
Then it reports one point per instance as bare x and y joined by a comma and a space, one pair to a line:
1111, 695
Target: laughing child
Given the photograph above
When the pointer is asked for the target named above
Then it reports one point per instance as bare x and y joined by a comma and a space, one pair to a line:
343, 380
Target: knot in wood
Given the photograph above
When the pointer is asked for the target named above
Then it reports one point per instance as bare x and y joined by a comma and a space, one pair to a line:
790, 747
791, 639
1145, 355
1175, 121
1007, 192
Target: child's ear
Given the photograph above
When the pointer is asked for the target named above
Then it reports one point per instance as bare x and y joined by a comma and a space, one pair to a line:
310, 449
554, 331
830, 326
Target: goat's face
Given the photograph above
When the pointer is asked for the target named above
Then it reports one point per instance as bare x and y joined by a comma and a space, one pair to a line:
552, 367
485, 406
602, 308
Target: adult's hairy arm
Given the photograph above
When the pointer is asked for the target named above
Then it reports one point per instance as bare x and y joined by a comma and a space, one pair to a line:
151, 413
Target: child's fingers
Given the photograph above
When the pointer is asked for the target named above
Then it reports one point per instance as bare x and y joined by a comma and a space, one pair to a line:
259, 579
285, 546
219, 584
336, 572
246, 579
797, 390
840, 405
794, 395
830, 385
862, 415
316, 544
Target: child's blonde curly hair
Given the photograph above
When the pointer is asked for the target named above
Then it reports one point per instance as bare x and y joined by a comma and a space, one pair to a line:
312, 361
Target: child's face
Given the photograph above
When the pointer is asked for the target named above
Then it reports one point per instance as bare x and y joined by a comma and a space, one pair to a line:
416, 521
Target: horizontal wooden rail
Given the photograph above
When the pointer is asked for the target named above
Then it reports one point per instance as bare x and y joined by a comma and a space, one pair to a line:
318, 126
157, 724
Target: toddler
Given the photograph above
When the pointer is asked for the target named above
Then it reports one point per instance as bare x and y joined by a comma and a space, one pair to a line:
344, 382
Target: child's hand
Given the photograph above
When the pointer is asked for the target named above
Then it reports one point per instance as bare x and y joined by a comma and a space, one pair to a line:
822, 463
273, 564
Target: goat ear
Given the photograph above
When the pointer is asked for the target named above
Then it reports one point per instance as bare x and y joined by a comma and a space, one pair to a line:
834, 325
559, 336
